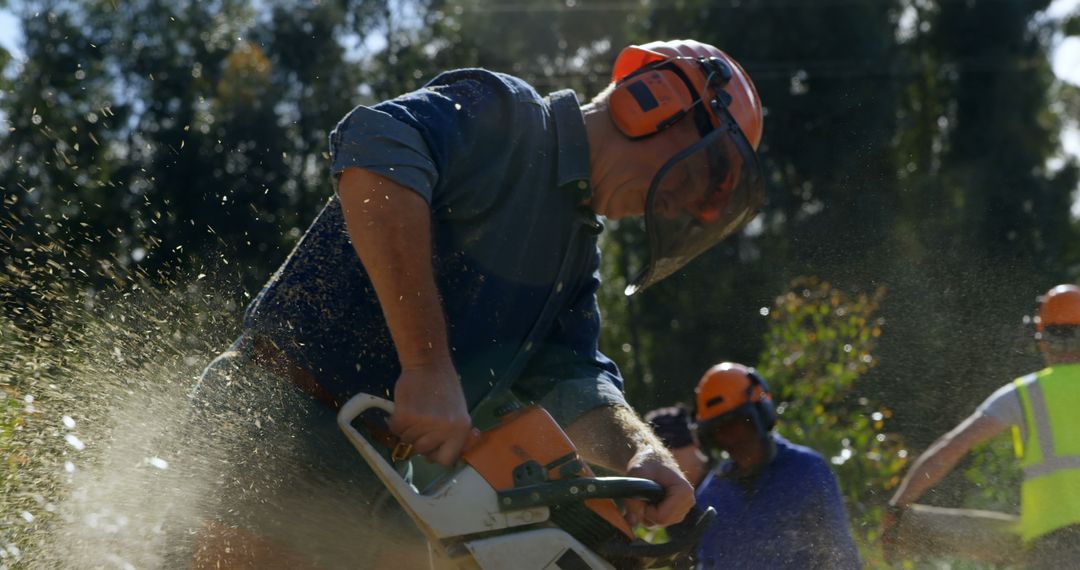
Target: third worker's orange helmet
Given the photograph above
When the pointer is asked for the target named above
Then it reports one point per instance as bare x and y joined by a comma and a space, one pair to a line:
1060, 307
1059, 317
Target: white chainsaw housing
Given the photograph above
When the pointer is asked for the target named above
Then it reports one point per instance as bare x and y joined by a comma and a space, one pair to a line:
458, 507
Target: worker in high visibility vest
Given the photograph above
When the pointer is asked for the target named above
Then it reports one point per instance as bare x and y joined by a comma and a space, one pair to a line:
1041, 409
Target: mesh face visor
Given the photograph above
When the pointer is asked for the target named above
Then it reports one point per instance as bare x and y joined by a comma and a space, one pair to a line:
700, 196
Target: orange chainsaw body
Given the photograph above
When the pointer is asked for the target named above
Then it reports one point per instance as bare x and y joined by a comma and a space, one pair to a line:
529, 435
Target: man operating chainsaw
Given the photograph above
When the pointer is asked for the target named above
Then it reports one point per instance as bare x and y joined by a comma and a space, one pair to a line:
456, 269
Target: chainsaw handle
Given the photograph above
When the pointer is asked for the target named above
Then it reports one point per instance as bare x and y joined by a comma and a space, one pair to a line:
579, 489
399, 450
353, 408
667, 553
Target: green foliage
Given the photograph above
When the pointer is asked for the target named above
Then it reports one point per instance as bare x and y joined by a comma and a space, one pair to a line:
5, 60
1071, 26
993, 477
820, 344
193, 145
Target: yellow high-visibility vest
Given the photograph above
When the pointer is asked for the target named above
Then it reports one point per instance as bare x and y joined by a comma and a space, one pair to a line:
1050, 493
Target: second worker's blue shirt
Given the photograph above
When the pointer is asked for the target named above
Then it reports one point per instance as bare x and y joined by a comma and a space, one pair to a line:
788, 515
515, 253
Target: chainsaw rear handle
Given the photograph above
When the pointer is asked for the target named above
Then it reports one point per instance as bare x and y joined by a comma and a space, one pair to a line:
379, 429
578, 489
457, 506
350, 412
358, 405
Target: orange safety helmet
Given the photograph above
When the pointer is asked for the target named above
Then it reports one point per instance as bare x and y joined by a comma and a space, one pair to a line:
696, 63
1060, 307
730, 390
1059, 318
712, 188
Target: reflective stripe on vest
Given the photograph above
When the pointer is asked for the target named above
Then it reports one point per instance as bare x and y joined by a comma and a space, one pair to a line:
1050, 494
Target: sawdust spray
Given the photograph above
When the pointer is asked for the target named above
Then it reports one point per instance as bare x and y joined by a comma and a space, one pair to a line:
104, 467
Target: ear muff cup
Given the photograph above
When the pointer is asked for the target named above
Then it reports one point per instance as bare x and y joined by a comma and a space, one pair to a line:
765, 408
648, 101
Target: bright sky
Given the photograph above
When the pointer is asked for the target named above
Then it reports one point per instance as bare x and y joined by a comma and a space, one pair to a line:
10, 35
1066, 63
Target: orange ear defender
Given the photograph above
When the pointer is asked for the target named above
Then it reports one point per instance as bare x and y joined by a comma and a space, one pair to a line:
656, 96
649, 101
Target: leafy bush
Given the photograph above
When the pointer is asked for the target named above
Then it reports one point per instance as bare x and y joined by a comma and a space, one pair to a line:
819, 344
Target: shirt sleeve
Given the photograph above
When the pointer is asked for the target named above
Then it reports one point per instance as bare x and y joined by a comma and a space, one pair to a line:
375, 141
1004, 406
570, 376
423, 139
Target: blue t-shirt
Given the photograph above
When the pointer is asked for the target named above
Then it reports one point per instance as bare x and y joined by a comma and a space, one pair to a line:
789, 515
515, 253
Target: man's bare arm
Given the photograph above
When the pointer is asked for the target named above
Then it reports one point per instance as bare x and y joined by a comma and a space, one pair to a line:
941, 457
390, 228
615, 438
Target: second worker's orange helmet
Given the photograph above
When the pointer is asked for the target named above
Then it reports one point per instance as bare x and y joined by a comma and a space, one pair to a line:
729, 390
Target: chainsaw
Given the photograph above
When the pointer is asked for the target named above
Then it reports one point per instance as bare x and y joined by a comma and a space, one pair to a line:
520, 497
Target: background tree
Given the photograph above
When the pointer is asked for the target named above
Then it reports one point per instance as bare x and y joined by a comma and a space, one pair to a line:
910, 144
825, 72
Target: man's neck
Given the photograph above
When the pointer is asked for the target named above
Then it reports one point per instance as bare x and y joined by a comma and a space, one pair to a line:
599, 129
754, 458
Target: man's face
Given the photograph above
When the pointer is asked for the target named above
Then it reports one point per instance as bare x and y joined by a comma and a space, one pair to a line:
735, 435
641, 160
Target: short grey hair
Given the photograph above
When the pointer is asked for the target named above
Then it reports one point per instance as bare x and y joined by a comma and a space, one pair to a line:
601, 98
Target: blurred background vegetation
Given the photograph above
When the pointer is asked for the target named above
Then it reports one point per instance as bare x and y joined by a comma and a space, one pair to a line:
918, 194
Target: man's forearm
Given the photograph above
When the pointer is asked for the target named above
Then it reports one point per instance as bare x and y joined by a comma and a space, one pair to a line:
390, 228
612, 436
930, 467
943, 455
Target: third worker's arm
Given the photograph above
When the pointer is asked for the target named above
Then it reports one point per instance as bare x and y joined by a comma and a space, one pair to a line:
941, 457
390, 228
